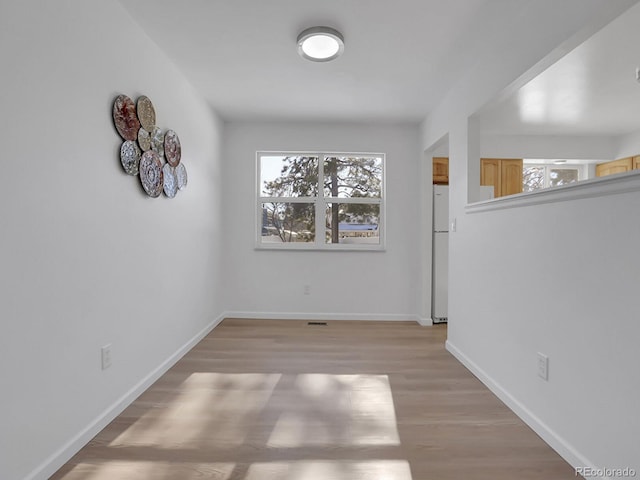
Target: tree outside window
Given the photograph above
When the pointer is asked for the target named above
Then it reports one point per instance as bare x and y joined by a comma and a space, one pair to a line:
536, 177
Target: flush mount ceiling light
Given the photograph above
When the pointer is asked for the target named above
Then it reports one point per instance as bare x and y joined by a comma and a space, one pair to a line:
320, 44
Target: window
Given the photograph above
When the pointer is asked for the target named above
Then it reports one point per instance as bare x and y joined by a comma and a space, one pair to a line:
539, 176
320, 201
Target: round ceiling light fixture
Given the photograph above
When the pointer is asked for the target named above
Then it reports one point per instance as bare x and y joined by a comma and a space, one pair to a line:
320, 44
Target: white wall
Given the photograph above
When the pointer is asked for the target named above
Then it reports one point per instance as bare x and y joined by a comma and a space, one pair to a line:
627, 145
548, 146
373, 285
86, 257
561, 279
576, 259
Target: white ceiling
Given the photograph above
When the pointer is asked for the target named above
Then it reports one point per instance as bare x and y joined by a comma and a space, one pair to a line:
242, 54
592, 90
400, 59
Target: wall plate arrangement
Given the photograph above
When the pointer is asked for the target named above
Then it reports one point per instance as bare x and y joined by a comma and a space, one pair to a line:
148, 151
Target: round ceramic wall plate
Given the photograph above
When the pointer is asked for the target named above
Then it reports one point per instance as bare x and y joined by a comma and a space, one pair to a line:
130, 157
151, 173
172, 149
170, 181
181, 176
157, 141
144, 139
146, 113
125, 118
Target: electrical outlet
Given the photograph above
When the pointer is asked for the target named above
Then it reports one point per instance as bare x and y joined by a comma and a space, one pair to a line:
106, 356
543, 366
307, 290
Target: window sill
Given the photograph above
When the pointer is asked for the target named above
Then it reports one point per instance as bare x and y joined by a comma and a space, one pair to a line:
293, 247
596, 187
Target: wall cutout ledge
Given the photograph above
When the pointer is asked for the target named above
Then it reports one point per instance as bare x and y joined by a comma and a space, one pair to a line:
597, 187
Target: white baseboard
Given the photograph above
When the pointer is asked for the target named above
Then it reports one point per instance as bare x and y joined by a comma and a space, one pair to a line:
425, 321
555, 441
59, 458
380, 317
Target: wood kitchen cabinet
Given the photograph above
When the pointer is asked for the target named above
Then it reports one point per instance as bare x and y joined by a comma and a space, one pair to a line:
441, 170
490, 174
616, 166
636, 163
505, 174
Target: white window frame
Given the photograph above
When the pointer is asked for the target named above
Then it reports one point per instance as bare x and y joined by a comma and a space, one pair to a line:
553, 166
320, 202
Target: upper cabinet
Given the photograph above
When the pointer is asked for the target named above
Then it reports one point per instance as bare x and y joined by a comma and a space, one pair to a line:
441, 170
505, 174
617, 166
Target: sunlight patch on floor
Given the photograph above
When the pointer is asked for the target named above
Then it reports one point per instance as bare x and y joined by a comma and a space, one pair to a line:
229, 402
138, 470
331, 470
338, 410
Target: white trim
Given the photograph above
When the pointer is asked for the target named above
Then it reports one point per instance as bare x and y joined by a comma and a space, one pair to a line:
376, 317
69, 449
262, 200
312, 247
555, 441
424, 321
596, 187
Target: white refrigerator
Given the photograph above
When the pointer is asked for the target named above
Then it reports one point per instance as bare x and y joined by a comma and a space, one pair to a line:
440, 263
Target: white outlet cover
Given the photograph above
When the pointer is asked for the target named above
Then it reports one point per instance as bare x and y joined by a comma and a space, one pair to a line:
106, 356
543, 366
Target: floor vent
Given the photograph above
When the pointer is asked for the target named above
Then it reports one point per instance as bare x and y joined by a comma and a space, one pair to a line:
317, 323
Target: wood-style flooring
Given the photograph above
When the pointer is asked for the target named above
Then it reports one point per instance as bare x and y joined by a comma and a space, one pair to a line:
284, 400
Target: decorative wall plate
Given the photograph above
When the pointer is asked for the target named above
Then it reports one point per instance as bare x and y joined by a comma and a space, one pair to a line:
181, 176
172, 149
151, 173
144, 139
170, 180
124, 117
130, 157
146, 146
157, 141
146, 113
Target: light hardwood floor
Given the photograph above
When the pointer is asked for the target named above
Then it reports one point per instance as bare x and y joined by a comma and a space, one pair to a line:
282, 400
